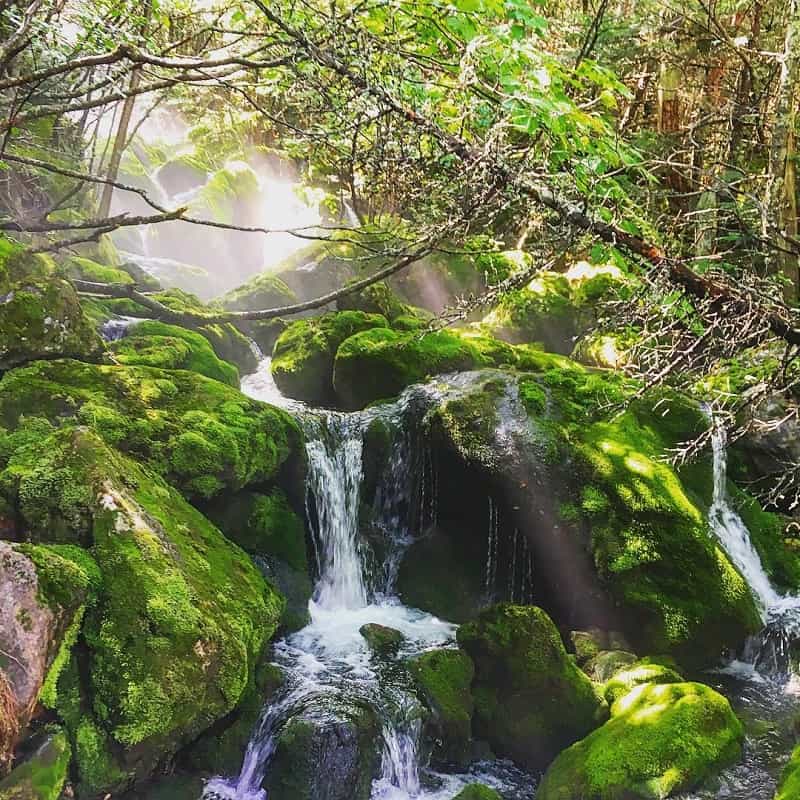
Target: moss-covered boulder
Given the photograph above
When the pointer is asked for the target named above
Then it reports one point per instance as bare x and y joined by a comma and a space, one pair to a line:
444, 678
88, 270
156, 344
375, 299
521, 664
477, 791
201, 434
266, 290
378, 364
660, 740
607, 663
178, 625
302, 360
265, 525
42, 775
381, 639
646, 670
789, 785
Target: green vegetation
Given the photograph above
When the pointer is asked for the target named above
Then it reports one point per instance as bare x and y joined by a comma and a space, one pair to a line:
520, 663
789, 786
43, 774
476, 791
661, 739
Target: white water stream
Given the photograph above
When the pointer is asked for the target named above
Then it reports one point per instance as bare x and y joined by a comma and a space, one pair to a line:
329, 659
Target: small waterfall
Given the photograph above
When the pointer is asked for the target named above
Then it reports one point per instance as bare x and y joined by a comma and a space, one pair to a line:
491, 548
115, 329
731, 531
400, 758
334, 483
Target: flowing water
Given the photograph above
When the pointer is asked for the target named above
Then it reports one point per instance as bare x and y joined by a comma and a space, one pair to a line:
328, 666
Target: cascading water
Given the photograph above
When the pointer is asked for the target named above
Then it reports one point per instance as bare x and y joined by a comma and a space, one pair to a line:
328, 662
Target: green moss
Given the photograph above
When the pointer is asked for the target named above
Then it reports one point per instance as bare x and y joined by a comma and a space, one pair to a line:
445, 679
521, 663
68, 575
156, 344
477, 791
378, 364
43, 774
88, 270
646, 670
607, 663
381, 639
376, 299
789, 786
266, 290
153, 414
302, 360
98, 768
661, 739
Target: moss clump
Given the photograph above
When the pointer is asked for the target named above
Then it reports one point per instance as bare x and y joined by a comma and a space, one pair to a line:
607, 663
789, 786
88, 270
43, 774
477, 791
444, 678
521, 663
379, 364
302, 360
375, 299
645, 670
156, 344
381, 639
661, 739
202, 435
97, 767
266, 290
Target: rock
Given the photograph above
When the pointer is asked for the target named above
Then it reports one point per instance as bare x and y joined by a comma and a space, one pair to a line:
41, 776
521, 664
171, 642
587, 644
375, 299
302, 360
660, 740
156, 344
609, 527
327, 755
607, 663
42, 594
646, 670
477, 791
444, 678
789, 785
180, 175
202, 435
265, 290
381, 639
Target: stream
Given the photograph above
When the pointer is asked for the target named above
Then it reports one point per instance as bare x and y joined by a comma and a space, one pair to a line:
330, 670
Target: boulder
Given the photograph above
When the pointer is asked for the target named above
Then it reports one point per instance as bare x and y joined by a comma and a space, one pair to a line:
303, 357
477, 791
660, 740
646, 670
382, 639
607, 663
521, 664
444, 678
42, 775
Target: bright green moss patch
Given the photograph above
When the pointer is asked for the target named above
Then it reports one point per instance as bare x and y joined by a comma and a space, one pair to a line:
199, 433
43, 774
661, 739
266, 290
88, 270
302, 360
156, 344
789, 786
520, 663
477, 791
445, 679
98, 768
376, 299
642, 671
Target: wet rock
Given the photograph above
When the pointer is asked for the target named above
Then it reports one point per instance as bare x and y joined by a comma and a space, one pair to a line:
381, 639
444, 678
40, 776
660, 740
646, 670
521, 664
325, 755
607, 663
477, 791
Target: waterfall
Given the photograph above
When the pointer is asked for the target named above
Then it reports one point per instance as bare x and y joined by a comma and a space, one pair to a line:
731, 531
334, 483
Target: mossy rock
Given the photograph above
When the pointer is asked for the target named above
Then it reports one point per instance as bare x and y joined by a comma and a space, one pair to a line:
444, 678
381, 639
789, 785
521, 664
378, 364
375, 299
607, 663
156, 344
661, 739
265, 290
477, 791
201, 434
88, 270
181, 174
302, 360
177, 629
42, 775
646, 670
